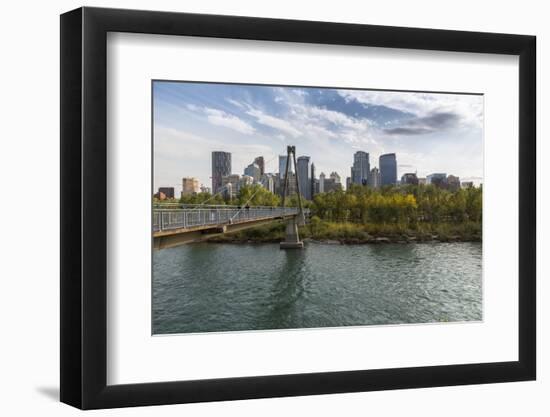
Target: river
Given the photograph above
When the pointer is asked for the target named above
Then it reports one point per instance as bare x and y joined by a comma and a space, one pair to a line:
206, 287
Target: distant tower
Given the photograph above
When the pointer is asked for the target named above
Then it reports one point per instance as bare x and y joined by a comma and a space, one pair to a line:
361, 168
312, 179
189, 186
221, 167
388, 169
259, 160
282, 166
322, 182
303, 176
254, 171
374, 178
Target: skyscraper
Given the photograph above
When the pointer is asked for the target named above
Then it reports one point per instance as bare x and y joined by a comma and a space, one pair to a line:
282, 166
409, 178
230, 184
259, 160
303, 176
453, 182
189, 185
253, 171
438, 179
312, 180
388, 169
361, 168
335, 177
374, 178
268, 182
221, 166
322, 182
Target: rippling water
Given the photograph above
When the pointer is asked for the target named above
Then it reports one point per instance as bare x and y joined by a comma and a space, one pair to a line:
225, 287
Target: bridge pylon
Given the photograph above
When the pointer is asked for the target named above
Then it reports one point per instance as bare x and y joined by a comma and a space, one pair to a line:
292, 239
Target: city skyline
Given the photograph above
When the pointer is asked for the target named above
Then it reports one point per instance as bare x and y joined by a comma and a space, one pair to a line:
327, 125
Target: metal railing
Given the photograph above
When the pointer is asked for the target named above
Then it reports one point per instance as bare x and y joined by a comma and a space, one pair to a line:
166, 219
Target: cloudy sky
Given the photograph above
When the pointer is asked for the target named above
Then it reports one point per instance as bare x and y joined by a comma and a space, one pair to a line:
429, 132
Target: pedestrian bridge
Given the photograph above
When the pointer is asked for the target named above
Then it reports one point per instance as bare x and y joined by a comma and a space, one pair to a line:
174, 225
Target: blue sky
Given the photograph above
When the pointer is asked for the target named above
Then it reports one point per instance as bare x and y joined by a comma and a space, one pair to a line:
429, 132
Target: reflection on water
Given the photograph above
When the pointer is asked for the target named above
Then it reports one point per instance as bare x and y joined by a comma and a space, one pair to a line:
223, 287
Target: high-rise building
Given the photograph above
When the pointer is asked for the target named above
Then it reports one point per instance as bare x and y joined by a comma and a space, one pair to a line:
453, 182
167, 191
348, 183
303, 176
374, 178
313, 180
205, 189
268, 182
259, 160
322, 182
230, 184
189, 186
438, 179
333, 183
361, 168
409, 178
221, 166
280, 183
253, 171
463, 184
282, 166
388, 169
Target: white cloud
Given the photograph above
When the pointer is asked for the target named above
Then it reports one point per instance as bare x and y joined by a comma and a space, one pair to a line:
298, 92
274, 122
236, 103
468, 107
221, 118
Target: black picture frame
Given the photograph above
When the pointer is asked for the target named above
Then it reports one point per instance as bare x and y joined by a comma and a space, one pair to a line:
84, 207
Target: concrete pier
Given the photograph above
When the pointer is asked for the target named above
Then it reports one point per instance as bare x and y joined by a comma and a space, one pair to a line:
292, 239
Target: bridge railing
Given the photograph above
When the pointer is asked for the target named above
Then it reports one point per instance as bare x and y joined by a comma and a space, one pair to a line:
167, 219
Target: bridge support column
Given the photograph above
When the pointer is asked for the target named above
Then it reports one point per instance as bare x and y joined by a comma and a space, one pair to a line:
292, 240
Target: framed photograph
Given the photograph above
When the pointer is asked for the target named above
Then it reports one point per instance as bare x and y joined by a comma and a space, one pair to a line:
258, 208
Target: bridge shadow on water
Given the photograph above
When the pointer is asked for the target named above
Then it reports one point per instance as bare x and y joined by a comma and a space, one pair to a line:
287, 293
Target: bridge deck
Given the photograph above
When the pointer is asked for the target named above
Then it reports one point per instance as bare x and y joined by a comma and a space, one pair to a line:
191, 219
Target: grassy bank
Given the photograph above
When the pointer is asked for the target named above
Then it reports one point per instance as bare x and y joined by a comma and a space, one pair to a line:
354, 233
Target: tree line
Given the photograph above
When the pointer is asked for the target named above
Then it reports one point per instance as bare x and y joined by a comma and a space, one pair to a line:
399, 205
406, 204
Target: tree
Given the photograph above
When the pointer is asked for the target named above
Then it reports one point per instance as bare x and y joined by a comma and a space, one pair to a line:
257, 195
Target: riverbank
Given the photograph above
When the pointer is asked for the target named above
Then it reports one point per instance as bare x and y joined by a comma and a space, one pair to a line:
352, 233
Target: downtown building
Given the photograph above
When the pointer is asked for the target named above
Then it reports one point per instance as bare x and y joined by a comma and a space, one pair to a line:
303, 176
314, 182
189, 186
388, 169
167, 191
409, 178
360, 169
282, 166
221, 166
253, 171
453, 182
374, 178
439, 179
332, 183
259, 160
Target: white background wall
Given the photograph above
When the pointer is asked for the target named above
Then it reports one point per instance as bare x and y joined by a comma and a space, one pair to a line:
29, 175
